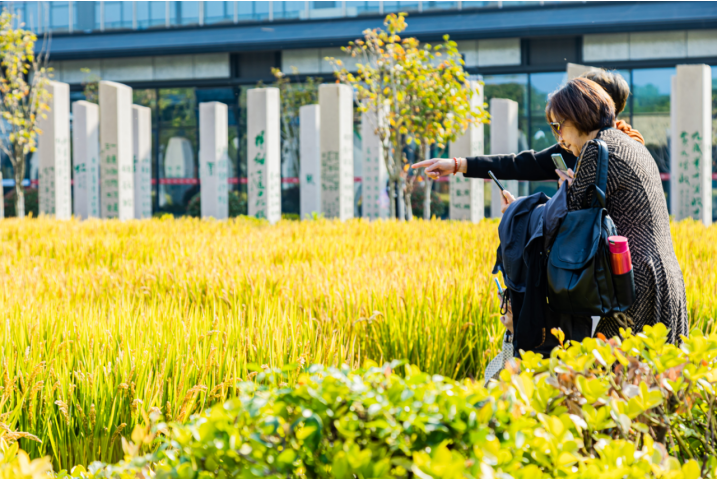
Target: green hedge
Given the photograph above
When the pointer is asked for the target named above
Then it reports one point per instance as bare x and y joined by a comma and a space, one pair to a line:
630, 408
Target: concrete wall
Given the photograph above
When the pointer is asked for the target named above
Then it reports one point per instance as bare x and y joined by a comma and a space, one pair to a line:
650, 45
214, 65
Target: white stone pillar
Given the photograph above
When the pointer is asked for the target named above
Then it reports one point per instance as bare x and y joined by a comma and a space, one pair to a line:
504, 140
310, 176
691, 143
375, 199
337, 150
54, 152
466, 195
142, 158
263, 154
86, 159
116, 163
213, 160
574, 70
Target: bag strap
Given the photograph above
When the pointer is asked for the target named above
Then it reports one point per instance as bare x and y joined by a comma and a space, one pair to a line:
599, 185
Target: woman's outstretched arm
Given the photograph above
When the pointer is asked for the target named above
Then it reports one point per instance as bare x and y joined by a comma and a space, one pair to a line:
528, 165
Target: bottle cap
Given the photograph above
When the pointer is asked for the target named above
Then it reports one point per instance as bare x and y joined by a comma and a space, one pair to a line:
617, 244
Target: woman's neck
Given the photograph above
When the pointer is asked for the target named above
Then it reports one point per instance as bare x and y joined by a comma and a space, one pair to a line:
591, 135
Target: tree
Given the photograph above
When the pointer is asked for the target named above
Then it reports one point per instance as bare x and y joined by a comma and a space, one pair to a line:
418, 98
441, 109
23, 98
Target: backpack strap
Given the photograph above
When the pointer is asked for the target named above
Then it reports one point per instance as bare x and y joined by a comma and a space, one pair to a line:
599, 185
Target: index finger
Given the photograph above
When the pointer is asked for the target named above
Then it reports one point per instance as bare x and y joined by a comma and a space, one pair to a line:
423, 164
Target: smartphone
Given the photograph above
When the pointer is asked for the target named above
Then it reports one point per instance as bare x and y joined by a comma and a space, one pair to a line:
496, 180
558, 161
498, 285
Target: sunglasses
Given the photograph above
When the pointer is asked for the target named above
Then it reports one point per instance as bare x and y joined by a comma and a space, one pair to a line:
556, 128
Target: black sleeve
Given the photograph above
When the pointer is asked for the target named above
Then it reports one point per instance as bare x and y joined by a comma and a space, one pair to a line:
526, 166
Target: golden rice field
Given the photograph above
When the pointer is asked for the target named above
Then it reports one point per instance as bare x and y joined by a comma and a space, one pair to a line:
103, 320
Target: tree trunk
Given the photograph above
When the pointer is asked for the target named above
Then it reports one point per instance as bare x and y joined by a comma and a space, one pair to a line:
407, 202
392, 198
427, 184
19, 171
427, 198
400, 210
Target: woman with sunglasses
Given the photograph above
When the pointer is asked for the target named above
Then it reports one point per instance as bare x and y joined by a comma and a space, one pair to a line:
531, 165
581, 111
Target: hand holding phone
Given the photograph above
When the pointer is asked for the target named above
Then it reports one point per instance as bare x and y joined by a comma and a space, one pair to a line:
496, 180
558, 162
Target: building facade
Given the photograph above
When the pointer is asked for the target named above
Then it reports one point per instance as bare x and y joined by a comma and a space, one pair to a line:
176, 55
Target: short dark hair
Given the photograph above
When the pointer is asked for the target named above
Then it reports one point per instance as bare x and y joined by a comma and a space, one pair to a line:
585, 103
614, 84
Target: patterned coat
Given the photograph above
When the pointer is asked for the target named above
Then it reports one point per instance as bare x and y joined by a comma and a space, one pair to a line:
638, 207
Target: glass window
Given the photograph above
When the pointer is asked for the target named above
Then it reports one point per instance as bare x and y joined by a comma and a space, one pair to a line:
57, 16
652, 111
118, 15
252, 11
516, 4
219, 12
289, 10
184, 13
30, 15
362, 8
177, 147
468, 5
626, 113
542, 84
440, 5
325, 9
512, 87
401, 7
151, 14
85, 15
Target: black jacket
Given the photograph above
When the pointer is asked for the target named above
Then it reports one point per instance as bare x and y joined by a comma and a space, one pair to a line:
526, 166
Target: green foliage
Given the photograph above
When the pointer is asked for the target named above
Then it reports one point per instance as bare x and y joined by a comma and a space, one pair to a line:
31, 202
419, 94
24, 97
631, 408
237, 204
15, 463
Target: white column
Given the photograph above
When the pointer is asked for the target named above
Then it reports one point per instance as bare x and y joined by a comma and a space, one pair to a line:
310, 176
375, 199
54, 153
466, 195
213, 160
263, 154
142, 158
574, 70
337, 150
504, 140
116, 164
691, 143
86, 159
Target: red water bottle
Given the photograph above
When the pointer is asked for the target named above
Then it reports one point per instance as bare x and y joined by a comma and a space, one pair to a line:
620, 255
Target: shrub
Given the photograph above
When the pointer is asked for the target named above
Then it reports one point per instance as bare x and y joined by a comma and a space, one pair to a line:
31, 202
237, 204
630, 408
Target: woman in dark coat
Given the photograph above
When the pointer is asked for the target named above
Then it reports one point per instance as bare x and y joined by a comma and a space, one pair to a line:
579, 112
